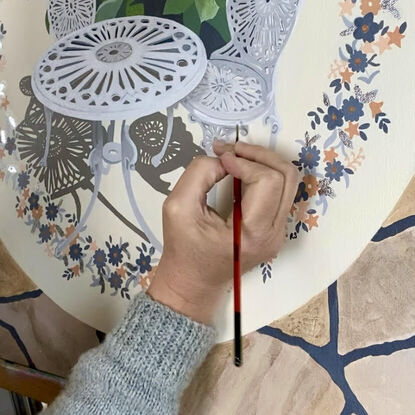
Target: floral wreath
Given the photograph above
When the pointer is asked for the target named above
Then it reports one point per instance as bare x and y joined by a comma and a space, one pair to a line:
345, 119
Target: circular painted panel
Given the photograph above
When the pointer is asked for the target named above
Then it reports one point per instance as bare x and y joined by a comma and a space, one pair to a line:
325, 83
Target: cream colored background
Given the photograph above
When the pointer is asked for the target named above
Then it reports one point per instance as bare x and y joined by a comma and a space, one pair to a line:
307, 265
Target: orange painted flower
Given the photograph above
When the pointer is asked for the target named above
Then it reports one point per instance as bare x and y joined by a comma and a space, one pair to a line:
370, 6
76, 270
144, 282
37, 213
122, 272
69, 231
93, 246
311, 185
52, 228
26, 193
293, 209
312, 221
20, 212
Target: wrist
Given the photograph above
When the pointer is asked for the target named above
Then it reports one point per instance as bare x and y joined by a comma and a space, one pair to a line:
197, 303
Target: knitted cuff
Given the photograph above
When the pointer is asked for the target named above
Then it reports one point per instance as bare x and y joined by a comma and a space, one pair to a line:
161, 344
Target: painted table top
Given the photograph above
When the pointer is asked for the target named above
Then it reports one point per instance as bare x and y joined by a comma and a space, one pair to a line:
120, 68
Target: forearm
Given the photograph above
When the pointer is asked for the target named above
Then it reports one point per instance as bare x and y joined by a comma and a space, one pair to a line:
142, 367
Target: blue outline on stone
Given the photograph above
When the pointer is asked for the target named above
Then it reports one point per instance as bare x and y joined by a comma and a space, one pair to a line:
19, 342
328, 357
393, 229
25, 296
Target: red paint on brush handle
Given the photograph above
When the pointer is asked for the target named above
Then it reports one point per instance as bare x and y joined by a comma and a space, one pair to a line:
237, 219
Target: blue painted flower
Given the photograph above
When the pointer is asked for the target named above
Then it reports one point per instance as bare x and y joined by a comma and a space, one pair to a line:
100, 259
33, 201
301, 193
352, 109
333, 118
144, 263
10, 145
309, 156
358, 61
23, 180
366, 28
44, 233
115, 280
115, 255
52, 211
75, 252
334, 170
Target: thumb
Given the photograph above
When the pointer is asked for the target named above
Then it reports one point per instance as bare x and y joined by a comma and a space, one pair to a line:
199, 177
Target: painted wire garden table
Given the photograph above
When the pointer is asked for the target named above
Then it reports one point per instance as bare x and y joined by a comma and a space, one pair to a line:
112, 71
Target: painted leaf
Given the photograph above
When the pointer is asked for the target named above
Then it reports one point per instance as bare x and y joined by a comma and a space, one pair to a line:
313, 139
177, 6
207, 9
47, 22
134, 9
191, 19
348, 31
108, 9
345, 139
220, 23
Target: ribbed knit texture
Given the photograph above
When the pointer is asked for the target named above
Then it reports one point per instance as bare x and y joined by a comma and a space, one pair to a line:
142, 367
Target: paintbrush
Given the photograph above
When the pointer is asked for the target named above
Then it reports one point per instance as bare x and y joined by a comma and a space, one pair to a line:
237, 219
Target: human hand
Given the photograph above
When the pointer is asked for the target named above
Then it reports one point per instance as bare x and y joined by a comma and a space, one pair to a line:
196, 264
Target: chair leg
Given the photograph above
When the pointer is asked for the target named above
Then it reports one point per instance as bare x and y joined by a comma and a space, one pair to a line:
129, 159
156, 160
48, 119
271, 119
96, 164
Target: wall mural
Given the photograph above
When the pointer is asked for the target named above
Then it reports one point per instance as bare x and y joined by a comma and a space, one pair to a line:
67, 141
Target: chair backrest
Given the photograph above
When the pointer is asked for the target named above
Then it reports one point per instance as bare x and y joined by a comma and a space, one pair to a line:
66, 16
260, 29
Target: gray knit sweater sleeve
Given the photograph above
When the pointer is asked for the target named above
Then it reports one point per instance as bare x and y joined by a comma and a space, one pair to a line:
142, 367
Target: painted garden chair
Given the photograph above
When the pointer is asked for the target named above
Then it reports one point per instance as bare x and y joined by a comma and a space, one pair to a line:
239, 84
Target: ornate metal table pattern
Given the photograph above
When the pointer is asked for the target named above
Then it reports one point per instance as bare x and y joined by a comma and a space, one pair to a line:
112, 71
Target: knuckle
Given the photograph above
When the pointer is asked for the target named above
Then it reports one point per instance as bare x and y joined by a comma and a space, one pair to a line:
171, 207
199, 161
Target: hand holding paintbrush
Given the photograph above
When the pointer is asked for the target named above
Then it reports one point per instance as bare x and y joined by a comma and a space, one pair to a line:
196, 265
